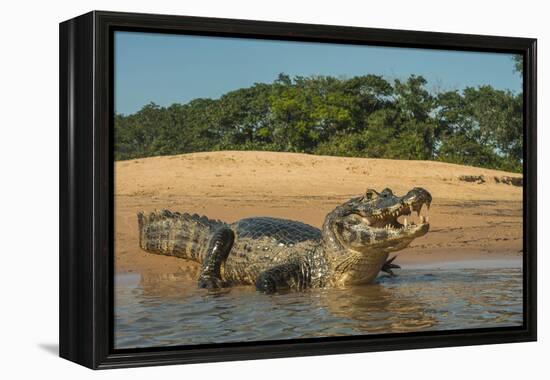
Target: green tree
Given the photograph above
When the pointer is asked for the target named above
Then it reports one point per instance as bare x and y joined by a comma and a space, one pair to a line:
518, 63
362, 116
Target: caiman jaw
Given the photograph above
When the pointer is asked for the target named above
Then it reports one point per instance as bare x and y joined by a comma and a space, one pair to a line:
404, 217
379, 223
407, 214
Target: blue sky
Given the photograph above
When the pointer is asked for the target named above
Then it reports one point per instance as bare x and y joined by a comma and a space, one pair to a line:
167, 69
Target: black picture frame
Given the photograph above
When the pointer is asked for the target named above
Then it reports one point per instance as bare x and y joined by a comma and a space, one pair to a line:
86, 188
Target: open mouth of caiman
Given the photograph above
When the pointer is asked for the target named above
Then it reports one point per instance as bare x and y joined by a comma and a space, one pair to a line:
396, 214
403, 217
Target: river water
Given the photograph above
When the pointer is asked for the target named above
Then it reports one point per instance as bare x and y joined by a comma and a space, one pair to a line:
167, 310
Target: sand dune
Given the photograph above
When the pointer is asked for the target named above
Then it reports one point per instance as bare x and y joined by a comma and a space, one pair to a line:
468, 220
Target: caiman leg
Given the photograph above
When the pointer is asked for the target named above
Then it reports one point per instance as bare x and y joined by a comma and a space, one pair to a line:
218, 250
280, 277
388, 266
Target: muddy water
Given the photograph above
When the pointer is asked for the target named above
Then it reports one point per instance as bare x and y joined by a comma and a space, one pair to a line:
169, 310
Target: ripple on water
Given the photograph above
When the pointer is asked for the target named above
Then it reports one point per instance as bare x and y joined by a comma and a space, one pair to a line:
170, 310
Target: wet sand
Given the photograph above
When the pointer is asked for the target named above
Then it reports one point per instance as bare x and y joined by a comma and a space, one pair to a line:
469, 221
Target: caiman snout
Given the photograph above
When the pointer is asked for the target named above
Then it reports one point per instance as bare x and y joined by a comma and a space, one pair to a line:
413, 202
416, 198
382, 209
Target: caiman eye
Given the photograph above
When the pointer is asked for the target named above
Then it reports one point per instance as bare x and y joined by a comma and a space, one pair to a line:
386, 193
371, 194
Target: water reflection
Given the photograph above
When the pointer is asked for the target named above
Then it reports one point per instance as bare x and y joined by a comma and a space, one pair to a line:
161, 310
378, 309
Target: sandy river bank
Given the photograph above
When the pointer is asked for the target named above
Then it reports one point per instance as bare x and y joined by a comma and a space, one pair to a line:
468, 220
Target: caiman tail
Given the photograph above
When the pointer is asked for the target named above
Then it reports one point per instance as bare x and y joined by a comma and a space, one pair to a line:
174, 234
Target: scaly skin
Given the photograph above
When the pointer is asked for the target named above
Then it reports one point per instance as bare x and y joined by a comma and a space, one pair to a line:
276, 254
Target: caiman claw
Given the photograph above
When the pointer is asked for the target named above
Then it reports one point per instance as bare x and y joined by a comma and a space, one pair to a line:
388, 266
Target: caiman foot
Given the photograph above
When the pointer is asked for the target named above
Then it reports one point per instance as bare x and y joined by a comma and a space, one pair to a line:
265, 283
281, 277
210, 282
388, 266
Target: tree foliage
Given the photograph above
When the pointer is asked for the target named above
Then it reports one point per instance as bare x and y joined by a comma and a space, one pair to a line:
518, 63
363, 116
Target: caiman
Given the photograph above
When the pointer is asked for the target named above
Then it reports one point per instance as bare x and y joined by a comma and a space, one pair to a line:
351, 248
